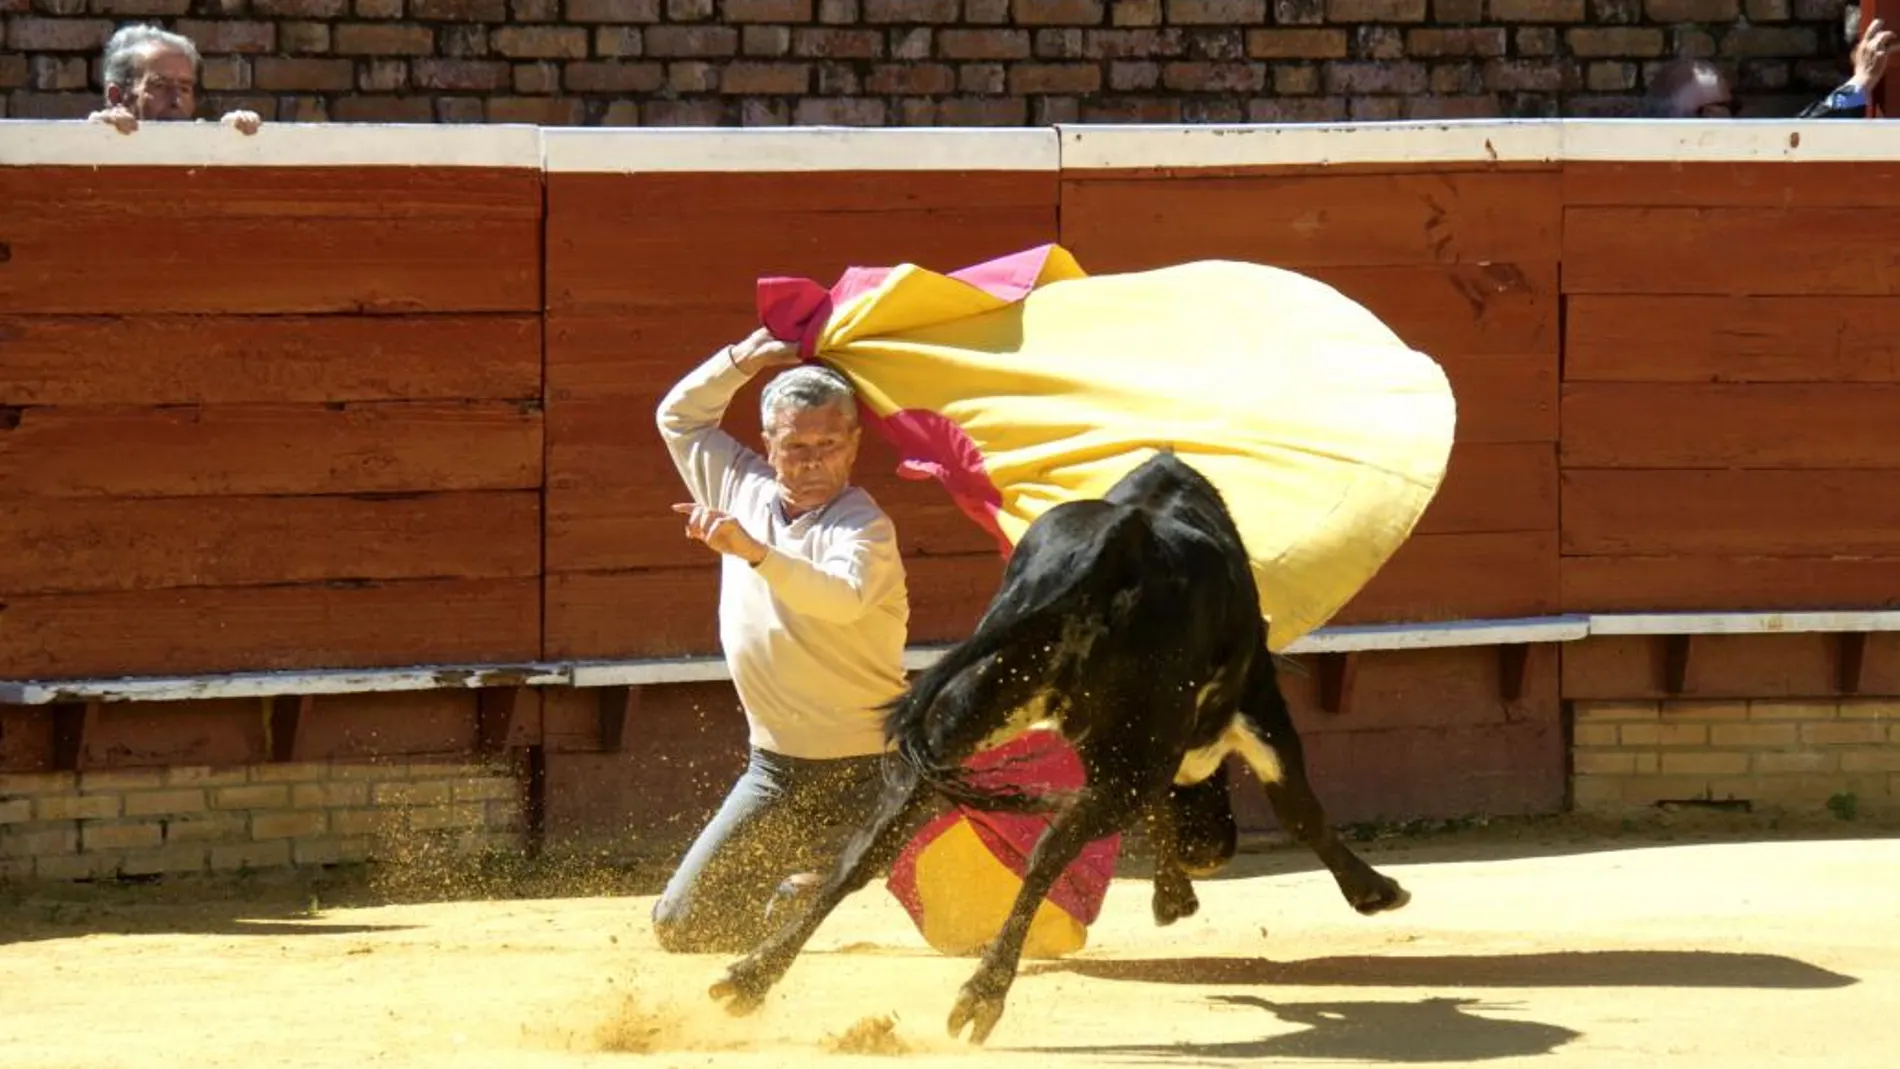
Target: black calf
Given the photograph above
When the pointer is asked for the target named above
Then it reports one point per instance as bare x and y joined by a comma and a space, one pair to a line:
1133, 625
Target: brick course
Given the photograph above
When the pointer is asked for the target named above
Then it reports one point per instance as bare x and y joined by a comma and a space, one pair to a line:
1780, 755
925, 62
61, 826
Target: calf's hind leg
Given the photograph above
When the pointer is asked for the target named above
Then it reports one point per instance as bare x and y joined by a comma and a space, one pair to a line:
1174, 896
900, 808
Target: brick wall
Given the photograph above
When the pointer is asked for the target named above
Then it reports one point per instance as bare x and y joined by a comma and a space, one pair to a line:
1779, 755
927, 62
133, 822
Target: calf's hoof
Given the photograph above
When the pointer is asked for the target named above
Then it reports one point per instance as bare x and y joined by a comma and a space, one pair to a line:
742, 989
978, 1007
1382, 896
1174, 903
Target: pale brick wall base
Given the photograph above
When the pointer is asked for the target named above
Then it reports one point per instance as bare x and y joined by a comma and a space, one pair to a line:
1784, 755
139, 822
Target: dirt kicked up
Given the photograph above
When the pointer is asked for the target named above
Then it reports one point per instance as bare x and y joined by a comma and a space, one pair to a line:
1599, 953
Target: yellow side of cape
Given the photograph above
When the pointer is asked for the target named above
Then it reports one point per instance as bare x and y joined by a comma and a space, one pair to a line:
1326, 434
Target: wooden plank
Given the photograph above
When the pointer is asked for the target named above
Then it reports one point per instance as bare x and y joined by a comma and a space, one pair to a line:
1430, 578
506, 718
217, 733
282, 239
181, 360
1495, 488
637, 354
607, 246
1455, 687
1718, 583
1742, 513
1486, 308
1731, 339
26, 740
1504, 398
616, 708
667, 612
633, 197
1880, 670
1432, 771
272, 449
75, 731
51, 545
216, 629
1719, 251
1631, 667
1682, 183
186, 194
283, 727
1304, 222
1670, 425
441, 723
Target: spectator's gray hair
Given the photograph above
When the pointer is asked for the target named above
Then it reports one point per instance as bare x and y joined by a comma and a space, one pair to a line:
807, 386
1671, 79
125, 52
1850, 25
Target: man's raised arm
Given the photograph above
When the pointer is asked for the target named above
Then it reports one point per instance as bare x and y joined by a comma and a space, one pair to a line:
711, 462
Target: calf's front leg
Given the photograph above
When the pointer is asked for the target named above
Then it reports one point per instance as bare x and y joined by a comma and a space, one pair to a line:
1099, 809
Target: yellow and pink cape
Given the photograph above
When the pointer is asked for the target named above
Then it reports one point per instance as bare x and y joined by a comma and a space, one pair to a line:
1024, 382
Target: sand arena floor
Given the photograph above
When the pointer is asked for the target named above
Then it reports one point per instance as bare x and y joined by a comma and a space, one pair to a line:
1553, 949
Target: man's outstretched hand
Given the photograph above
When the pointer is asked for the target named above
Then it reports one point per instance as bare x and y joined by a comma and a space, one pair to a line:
721, 532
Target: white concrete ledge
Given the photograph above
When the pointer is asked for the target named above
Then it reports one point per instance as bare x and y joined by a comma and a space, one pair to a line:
1139, 147
1258, 144
1369, 637
649, 671
1081, 148
657, 150
1743, 623
270, 684
76, 143
1730, 140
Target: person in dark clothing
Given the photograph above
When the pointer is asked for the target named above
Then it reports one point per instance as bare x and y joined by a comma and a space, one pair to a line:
1697, 88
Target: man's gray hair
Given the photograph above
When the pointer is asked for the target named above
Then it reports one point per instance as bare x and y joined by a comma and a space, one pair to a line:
807, 386
125, 52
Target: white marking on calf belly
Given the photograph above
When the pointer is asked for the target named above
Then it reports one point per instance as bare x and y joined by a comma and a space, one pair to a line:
1199, 764
1031, 714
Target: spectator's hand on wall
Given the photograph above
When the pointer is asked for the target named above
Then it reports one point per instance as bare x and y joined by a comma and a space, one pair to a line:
119, 116
246, 122
1870, 56
760, 351
721, 532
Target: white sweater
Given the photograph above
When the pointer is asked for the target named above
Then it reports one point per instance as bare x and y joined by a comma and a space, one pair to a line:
814, 636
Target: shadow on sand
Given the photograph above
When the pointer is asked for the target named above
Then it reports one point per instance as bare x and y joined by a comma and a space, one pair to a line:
1608, 968
1429, 1030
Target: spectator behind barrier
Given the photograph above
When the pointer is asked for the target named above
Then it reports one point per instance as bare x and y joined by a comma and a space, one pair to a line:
1697, 89
151, 75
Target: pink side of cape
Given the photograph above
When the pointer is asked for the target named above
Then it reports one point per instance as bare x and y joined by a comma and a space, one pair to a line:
1036, 760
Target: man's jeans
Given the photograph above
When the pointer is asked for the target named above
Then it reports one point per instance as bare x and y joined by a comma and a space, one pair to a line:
785, 815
